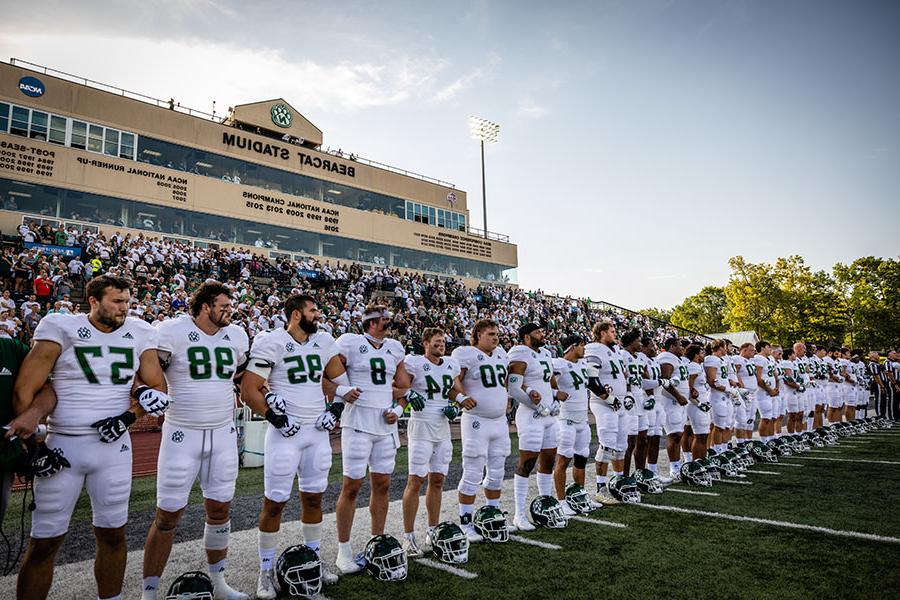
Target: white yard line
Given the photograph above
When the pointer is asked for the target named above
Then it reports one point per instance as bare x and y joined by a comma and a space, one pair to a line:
544, 545
692, 492
785, 524
762, 472
598, 522
820, 452
853, 460
782, 464
735, 482
446, 568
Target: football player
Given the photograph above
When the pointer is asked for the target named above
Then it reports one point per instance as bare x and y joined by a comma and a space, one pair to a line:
862, 386
778, 404
699, 407
609, 397
792, 389
429, 446
745, 418
820, 374
880, 383
656, 413
675, 395
93, 359
637, 423
480, 390
201, 355
848, 387
835, 379
574, 430
284, 382
532, 384
717, 372
373, 364
766, 389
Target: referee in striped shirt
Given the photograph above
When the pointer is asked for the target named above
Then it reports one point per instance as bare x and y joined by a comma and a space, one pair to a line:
880, 385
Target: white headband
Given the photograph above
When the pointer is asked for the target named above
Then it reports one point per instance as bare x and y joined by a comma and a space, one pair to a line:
378, 314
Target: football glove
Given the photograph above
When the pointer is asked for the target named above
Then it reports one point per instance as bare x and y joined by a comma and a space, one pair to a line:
154, 402
45, 461
276, 402
628, 401
415, 400
451, 411
614, 402
554, 407
330, 416
802, 388
704, 406
665, 383
286, 426
650, 403
112, 428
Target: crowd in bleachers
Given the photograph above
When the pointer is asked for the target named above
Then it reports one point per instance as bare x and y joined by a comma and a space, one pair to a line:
165, 271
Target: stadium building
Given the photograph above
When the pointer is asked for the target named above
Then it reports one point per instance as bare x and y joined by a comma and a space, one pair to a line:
73, 151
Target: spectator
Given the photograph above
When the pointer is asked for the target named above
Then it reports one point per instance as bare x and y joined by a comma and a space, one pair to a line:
43, 287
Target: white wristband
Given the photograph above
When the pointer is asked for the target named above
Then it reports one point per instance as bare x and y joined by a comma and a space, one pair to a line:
343, 390
397, 410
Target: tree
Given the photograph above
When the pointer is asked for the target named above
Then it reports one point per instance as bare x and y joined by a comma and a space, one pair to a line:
870, 289
660, 314
703, 312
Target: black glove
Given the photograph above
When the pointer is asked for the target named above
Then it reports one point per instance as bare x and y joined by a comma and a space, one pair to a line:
283, 423
112, 428
45, 462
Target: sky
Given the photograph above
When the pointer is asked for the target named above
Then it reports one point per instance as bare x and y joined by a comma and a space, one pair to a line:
642, 143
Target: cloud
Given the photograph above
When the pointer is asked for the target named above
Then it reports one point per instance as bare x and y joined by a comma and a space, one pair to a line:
661, 276
451, 90
530, 109
196, 72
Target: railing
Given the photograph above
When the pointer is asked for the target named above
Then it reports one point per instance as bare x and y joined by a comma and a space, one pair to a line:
491, 235
177, 107
649, 318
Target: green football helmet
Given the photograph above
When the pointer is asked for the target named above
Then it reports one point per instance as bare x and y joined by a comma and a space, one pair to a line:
647, 481
712, 469
578, 499
299, 571
710, 452
385, 558
724, 466
624, 489
762, 453
193, 585
734, 459
693, 473
779, 447
449, 543
490, 523
547, 512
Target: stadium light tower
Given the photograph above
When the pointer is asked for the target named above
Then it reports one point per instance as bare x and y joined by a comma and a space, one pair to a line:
484, 131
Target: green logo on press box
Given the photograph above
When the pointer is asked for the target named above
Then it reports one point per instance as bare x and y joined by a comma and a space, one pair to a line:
281, 115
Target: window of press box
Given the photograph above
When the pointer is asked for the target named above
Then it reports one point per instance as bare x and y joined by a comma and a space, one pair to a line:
234, 170
71, 205
4, 117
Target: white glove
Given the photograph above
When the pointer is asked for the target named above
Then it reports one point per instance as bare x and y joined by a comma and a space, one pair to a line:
554, 408
154, 402
276, 403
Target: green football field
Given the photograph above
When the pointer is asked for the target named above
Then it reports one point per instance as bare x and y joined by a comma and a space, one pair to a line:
661, 553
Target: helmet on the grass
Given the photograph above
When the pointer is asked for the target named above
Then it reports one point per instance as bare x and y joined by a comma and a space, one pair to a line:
724, 465
449, 543
546, 511
711, 468
693, 473
299, 571
624, 489
647, 481
762, 452
578, 499
385, 558
193, 585
490, 523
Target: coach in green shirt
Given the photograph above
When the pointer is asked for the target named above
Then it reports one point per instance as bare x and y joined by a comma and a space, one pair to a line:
12, 353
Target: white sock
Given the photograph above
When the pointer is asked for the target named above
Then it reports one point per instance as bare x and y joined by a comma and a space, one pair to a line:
653, 468
312, 534
688, 457
618, 473
601, 481
151, 588
268, 547
116, 597
493, 502
675, 466
521, 493
466, 509
217, 573
545, 484
345, 549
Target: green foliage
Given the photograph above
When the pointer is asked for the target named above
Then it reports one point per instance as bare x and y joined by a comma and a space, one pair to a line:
703, 312
660, 314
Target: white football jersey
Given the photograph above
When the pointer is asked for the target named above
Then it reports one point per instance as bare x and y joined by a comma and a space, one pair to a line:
485, 379
844, 364
432, 381
680, 372
747, 370
612, 366
93, 375
831, 368
571, 377
653, 372
297, 369
700, 381
633, 367
200, 372
767, 368
721, 368
784, 366
732, 367
371, 369
538, 370
818, 367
